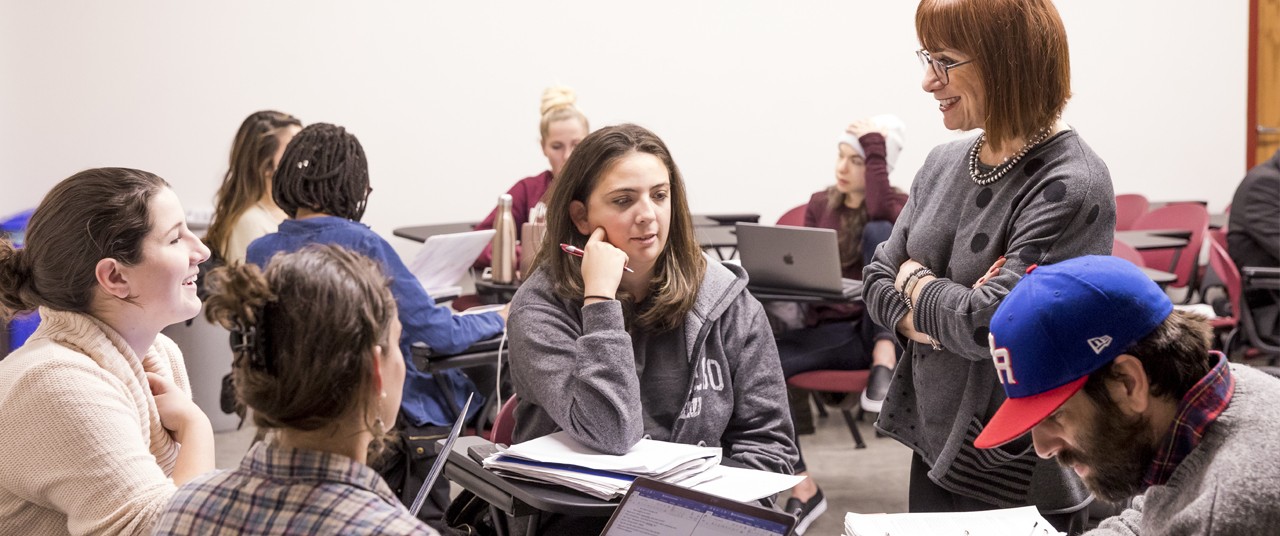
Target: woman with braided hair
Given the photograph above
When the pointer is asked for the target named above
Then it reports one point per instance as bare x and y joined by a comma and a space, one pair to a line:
96, 407
327, 380
323, 184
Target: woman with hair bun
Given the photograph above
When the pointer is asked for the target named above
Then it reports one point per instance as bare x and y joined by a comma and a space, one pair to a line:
323, 184
327, 380
562, 127
96, 407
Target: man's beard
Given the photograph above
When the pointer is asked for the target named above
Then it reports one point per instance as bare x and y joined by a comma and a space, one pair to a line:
1117, 450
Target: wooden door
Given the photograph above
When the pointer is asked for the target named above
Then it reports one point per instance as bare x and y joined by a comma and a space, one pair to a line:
1264, 80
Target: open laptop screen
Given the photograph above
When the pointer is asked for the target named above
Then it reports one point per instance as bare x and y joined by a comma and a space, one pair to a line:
651, 508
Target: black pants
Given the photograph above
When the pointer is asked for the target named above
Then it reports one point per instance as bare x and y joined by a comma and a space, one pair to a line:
926, 496
405, 465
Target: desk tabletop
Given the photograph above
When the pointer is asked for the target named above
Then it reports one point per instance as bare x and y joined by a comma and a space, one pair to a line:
421, 233
517, 497
721, 236
1160, 277
1158, 239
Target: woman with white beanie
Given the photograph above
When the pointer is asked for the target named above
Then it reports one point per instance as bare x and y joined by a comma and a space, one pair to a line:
861, 207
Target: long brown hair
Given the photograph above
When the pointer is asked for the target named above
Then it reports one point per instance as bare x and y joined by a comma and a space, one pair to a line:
304, 366
1020, 50
246, 179
679, 268
95, 214
852, 222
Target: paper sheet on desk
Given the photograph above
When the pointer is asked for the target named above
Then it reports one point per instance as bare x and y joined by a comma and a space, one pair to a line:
1024, 521
445, 258
742, 485
648, 457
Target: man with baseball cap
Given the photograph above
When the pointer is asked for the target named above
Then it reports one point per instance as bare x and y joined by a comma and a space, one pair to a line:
1116, 384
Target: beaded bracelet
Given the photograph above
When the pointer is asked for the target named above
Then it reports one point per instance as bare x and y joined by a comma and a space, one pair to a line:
909, 285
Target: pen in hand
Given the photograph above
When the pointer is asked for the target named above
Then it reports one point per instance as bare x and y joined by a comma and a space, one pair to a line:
578, 253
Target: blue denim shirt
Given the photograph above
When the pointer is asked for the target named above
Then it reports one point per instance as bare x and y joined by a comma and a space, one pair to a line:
421, 319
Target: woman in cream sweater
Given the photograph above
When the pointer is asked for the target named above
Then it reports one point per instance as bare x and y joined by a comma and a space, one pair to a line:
99, 426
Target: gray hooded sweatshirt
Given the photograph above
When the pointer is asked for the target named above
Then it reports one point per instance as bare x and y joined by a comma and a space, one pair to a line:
716, 381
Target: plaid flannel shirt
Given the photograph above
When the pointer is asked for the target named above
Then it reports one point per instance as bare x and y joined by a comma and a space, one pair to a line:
1198, 409
289, 491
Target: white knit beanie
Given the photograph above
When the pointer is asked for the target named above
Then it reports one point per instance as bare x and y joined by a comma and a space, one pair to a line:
894, 133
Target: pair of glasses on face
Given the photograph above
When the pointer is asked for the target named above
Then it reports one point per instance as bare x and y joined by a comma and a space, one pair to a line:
940, 68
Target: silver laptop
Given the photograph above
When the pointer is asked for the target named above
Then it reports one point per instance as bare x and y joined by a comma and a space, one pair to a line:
786, 260
655, 507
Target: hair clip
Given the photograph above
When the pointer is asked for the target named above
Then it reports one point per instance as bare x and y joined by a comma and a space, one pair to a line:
303, 164
251, 342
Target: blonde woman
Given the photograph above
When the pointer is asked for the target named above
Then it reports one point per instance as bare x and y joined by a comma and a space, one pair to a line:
562, 127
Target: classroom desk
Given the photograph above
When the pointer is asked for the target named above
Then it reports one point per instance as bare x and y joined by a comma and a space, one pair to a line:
420, 233
1261, 277
481, 354
1160, 277
712, 220
1143, 240
523, 501
718, 238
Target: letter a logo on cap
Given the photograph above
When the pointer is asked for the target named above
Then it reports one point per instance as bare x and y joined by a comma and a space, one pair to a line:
1100, 343
1003, 362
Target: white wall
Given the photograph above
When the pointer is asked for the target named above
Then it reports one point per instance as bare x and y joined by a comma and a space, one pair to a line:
444, 95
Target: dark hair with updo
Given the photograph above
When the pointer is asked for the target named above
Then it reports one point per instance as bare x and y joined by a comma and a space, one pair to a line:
95, 214
324, 170
307, 326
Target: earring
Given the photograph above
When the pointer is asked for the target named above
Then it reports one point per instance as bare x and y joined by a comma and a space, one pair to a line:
380, 427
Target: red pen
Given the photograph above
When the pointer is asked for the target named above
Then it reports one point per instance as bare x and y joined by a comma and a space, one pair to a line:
578, 253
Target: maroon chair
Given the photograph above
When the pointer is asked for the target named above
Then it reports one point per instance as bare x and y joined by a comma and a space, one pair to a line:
1240, 320
852, 382
1192, 217
794, 216
1123, 250
1129, 207
505, 423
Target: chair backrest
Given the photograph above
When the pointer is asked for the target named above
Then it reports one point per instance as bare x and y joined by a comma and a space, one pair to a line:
1190, 216
1219, 236
504, 424
1123, 250
794, 216
1226, 269
1130, 207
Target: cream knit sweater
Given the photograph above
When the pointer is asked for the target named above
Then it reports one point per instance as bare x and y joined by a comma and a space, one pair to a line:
82, 450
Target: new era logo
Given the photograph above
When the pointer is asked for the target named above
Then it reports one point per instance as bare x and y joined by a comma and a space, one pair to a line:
1100, 343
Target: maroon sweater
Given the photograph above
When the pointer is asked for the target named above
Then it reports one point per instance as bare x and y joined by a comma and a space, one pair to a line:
524, 196
883, 203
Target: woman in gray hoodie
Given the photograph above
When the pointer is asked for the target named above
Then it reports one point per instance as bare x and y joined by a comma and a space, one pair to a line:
641, 336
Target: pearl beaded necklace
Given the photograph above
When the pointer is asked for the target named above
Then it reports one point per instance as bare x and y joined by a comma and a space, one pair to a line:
983, 179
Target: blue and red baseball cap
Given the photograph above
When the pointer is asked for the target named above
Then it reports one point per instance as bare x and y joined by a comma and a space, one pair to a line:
1059, 324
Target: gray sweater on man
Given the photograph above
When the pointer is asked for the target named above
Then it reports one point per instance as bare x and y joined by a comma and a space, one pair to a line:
1055, 204
1230, 484
716, 381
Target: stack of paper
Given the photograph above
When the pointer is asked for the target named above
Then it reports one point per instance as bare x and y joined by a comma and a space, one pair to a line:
1024, 521
559, 459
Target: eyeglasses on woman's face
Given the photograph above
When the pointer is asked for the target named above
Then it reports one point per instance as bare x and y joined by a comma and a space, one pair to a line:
941, 67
